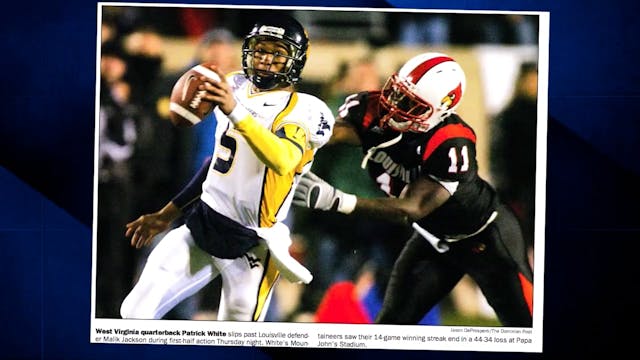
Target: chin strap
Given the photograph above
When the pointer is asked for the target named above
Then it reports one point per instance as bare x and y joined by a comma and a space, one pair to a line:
373, 149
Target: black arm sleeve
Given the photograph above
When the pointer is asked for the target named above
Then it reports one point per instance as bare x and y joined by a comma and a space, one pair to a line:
194, 188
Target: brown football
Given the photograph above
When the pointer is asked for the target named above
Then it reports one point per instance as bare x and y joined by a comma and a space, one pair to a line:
187, 107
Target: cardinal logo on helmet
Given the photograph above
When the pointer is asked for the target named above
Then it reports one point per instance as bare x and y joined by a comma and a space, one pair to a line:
452, 98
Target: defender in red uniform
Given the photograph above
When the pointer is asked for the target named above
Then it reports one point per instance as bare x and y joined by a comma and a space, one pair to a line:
423, 155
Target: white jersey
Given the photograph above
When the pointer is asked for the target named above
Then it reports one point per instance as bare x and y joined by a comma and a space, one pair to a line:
238, 184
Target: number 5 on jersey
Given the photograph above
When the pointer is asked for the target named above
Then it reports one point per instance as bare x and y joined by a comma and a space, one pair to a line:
225, 153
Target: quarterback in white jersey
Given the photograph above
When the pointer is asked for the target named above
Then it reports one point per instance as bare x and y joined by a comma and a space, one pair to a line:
239, 184
266, 138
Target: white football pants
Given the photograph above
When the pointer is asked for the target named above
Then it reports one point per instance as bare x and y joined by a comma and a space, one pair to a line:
177, 268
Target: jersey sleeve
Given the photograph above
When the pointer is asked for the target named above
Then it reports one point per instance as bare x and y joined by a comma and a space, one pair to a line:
312, 116
356, 111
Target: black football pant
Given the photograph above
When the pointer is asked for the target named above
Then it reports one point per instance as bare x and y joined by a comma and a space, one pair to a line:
496, 259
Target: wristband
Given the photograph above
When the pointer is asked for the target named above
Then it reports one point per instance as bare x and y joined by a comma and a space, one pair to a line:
238, 114
347, 203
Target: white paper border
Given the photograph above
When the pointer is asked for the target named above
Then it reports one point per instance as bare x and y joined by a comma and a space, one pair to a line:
344, 336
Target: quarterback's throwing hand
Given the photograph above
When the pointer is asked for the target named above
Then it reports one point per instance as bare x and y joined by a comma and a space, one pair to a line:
314, 193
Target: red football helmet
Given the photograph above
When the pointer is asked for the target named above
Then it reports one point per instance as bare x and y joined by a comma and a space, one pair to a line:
425, 90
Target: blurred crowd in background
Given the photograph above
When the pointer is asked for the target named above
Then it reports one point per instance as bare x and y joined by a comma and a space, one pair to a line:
144, 160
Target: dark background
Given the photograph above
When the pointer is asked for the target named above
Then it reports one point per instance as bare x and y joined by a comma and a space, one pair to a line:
46, 176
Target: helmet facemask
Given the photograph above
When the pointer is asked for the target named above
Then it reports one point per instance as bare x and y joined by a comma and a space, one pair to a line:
405, 111
269, 78
289, 34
